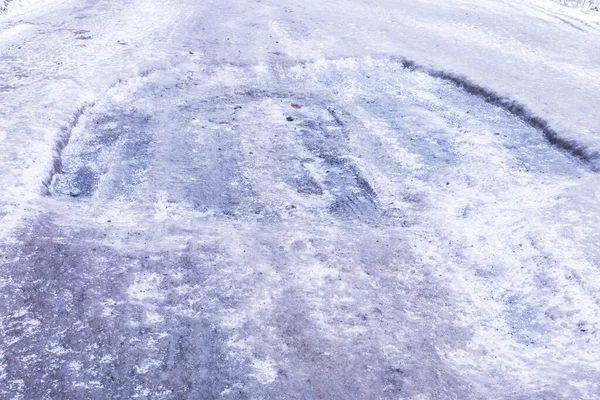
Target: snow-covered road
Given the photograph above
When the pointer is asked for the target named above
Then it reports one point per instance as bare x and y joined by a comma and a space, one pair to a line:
318, 200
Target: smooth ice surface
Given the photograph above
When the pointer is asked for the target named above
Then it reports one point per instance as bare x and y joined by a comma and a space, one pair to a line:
276, 199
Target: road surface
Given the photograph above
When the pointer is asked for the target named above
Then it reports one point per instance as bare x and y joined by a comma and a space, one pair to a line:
315, 200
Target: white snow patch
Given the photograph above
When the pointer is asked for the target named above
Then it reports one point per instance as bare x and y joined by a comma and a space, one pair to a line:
265, 371
146, 287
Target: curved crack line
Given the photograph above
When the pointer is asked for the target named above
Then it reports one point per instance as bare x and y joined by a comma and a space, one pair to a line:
590, 157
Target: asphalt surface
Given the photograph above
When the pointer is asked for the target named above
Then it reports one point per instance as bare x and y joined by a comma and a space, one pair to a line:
196, 209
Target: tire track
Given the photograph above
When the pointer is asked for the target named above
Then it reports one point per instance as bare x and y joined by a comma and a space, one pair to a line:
61, 141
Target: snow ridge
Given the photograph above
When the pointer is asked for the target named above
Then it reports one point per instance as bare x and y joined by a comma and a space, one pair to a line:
62, 140
590, 157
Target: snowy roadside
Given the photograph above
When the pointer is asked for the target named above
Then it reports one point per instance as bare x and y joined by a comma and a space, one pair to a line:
583, 5
18, 8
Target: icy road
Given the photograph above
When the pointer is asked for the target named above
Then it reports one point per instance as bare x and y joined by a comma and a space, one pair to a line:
314, 199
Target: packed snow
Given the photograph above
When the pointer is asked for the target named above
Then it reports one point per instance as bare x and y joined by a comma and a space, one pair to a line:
317, 200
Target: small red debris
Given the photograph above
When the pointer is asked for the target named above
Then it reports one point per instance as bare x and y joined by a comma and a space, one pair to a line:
296, 105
